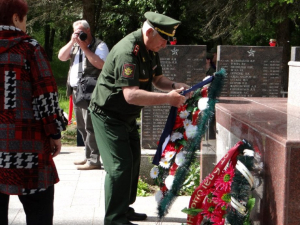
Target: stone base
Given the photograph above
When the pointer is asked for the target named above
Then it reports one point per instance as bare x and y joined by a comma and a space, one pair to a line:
146, 165
273, 127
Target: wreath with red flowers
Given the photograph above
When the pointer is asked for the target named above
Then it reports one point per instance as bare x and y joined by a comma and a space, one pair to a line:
224, 196
179, 152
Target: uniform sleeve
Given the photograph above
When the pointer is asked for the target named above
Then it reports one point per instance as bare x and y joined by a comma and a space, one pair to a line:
45, 96
126, 70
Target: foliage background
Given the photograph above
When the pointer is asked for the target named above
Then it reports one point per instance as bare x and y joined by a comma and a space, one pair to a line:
204, 22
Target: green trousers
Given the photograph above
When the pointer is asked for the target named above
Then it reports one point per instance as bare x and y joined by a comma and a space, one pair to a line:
120, 150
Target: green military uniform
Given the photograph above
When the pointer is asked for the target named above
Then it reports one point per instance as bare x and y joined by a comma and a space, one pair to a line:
114, 120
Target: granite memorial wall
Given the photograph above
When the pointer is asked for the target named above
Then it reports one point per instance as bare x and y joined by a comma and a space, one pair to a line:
253, 71
181, 63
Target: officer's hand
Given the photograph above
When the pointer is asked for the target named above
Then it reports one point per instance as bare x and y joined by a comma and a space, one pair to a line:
176, 99
185, 86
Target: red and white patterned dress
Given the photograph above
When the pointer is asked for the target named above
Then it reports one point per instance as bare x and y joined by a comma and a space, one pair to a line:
29, 115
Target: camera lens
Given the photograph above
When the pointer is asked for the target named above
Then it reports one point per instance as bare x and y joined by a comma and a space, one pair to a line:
82, 36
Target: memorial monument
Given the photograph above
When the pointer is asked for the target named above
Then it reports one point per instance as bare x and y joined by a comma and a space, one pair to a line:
253, 71
182, 63
272, 126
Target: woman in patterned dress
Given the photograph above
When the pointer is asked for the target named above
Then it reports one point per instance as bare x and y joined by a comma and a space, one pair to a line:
30, 119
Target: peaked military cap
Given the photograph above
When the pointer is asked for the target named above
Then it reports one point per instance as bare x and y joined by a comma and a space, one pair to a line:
164, 25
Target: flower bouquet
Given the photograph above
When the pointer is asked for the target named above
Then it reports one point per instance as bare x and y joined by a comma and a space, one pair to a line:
178, 148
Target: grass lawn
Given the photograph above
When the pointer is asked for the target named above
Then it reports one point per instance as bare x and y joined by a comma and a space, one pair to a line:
60, 72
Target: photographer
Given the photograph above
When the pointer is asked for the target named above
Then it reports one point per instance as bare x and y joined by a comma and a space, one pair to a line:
87, 55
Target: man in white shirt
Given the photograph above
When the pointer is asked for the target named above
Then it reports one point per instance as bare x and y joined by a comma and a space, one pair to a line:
87, 55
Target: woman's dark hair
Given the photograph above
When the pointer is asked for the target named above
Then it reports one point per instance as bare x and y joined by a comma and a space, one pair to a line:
9, 7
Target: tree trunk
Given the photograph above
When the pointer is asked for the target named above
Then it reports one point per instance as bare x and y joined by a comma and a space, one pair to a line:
51, 43
89, 13
47, 41
283, 39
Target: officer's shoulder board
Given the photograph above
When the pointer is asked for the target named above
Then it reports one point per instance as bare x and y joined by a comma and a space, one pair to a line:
136, 49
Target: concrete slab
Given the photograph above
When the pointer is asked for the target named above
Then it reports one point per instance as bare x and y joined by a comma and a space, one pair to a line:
79, 197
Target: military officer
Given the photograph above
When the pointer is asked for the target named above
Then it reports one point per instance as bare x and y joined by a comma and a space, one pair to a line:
122, 90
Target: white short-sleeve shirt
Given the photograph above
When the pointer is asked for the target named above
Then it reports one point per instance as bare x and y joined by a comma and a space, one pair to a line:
101, 50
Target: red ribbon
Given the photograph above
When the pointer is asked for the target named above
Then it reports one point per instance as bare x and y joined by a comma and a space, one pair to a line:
196, 198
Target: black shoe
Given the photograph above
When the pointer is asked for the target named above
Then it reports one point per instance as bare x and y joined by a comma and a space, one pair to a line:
136, 216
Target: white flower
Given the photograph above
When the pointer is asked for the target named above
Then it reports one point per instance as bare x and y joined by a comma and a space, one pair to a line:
191, 131
180, 158
169, 181
158, 196
184, 114
164, 163
169, 155
154, 172
202, 103
186, 123
175, 136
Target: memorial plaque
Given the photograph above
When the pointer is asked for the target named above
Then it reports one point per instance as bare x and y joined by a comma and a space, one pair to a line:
252, 71
181, 63
295, 53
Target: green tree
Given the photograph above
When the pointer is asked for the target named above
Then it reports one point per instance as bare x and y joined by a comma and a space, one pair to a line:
253, 22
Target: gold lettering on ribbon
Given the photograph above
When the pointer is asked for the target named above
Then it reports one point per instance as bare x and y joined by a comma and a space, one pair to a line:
218, 171
190, 219
212, 177
224, 158
198, 192
207, 183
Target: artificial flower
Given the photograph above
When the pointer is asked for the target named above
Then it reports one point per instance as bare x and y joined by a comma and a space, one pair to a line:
223, 182
207, 192
175, 136
204, 92
187, 123
182, 108
221, 198
185, 136
173, 169
195, 117
184, 114
164, 163
191, 131
180, 158
169, 155
178, 123
208, 208
158, 196
179, 148
218, 217
169, 181
169, 148
154, 172
203, 103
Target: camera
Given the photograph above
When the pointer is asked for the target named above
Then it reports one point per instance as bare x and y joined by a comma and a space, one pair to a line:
82, 36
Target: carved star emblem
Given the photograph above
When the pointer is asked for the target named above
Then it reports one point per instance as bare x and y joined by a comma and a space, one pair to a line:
251, 52
174, 51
